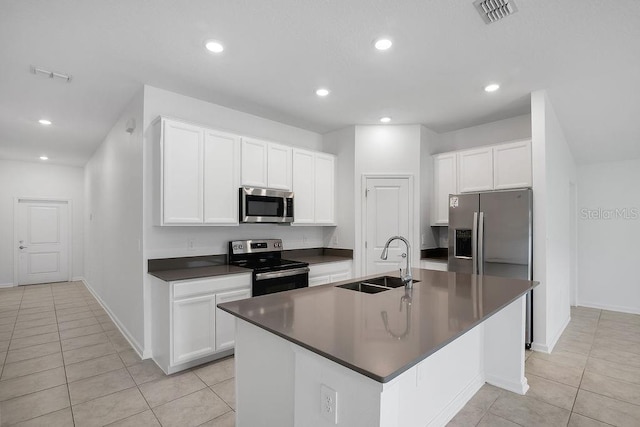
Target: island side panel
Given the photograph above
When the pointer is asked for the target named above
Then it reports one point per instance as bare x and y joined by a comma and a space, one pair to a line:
264, 378
504, 350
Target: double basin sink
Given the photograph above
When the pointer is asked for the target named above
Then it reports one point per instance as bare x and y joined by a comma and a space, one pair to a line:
375, 285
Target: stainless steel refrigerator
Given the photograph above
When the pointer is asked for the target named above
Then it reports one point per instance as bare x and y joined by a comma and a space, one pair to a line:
491, 233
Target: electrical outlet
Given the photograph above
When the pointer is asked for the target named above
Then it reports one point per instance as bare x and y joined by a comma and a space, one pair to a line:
329, 404
190, 244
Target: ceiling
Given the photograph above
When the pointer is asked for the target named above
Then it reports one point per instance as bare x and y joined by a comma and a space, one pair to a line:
586, 53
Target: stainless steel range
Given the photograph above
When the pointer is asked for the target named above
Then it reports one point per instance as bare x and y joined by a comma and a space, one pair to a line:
271, 273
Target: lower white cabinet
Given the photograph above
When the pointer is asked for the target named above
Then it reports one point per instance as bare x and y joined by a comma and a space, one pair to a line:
434, 265
187, 327
329, 272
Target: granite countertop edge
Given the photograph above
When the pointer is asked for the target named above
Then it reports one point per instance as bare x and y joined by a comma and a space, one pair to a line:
198, 272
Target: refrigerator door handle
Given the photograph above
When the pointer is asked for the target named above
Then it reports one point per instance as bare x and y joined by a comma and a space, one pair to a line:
481, 244
474, 243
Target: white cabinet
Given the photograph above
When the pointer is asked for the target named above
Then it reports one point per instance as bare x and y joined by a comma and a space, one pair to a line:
434, 265
314, 188
512, 165
329, 272
198, 173
225, 323
266, 165
187, 327
475, 170
444, 183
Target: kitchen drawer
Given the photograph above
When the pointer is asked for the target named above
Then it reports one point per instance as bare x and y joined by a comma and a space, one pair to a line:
210, 285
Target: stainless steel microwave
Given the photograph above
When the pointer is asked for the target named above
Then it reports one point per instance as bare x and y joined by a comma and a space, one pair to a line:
265, 205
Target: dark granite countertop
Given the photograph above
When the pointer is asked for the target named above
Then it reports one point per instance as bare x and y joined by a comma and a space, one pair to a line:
198, 272
318, 255
444, 306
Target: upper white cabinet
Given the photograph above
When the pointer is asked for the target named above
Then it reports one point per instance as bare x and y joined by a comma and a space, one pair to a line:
445, 183
198, 174
512, 165
314, 188
265, 164
475, 170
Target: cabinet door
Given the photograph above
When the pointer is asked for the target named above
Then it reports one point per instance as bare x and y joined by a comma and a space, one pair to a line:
475, 170
225, 323
221, 177
254, 163
340, 276
325, 189
319, 280
303, 187
193, 334
444, 183
182, 147
279, 166
512, 165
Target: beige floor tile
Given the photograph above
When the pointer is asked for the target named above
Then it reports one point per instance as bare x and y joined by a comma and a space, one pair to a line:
34, 405
108, 326
75, 316
560, 373
217, 371
87, 353
31, 366
77, 323
491, 420
11, 320
226, 420
573, 345
143, 419
467, 416
586, 312
578, 420
84, 341
628, 334
6, 336
31, 383
606, 409
610, 387
100, 385
32, 352
78, 332
626, 373
130, 357
611, 343
3, 356
169, 388
4, 345
6, 327
79, 303
629, 319
226, 390
191, 410
557, 394
616, 356
109, 409
118, 341
38, 330
61, 418
49, 314
528, 411
565, 358
34, 323
18, 343
93, 367
145, 371
72, 310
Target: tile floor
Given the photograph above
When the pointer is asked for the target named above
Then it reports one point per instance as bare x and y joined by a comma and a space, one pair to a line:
64, 363
592, 378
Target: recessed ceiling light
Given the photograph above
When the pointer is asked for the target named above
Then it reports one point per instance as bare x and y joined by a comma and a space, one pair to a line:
383, 44
214, 46
322, 92
44, 122
385, 119
492, 87
44, 158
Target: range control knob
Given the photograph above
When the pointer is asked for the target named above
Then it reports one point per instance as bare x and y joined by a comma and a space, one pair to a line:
239, 246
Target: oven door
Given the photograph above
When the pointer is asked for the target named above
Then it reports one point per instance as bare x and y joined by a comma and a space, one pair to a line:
264, 205
282, 280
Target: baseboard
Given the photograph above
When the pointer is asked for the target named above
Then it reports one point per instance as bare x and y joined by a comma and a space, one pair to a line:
78, 279
619, 308
132, 341
548, 347
458, 402
520, 387
6, 285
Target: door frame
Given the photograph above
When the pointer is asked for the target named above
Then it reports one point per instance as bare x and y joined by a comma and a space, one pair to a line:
363, 215
16, 213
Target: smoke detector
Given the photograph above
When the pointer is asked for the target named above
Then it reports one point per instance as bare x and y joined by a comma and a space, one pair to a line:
494, 10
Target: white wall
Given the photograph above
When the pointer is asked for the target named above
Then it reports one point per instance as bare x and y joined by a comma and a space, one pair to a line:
609, 253
342, 144
429, 236
386, 150
554, 171
41, 180
511, 129
113, 224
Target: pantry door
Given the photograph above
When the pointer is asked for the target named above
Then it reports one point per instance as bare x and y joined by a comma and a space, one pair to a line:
387, 213
42, 241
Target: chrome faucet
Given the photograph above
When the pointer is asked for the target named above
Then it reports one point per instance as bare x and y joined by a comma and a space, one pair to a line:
406, 278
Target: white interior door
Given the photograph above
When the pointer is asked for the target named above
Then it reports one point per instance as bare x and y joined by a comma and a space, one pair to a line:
387, 214
42, 241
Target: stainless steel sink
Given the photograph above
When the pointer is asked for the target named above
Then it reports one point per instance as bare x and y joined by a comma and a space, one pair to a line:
375, 285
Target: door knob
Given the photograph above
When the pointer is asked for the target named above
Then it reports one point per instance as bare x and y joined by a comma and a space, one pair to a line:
22, 247
404, 255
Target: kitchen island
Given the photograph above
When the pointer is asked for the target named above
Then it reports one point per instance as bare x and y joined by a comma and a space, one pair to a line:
332, 356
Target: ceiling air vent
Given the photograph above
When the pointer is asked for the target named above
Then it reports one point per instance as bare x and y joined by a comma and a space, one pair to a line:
495, 10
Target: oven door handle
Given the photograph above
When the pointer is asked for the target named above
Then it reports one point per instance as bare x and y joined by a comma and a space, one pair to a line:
283, 273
